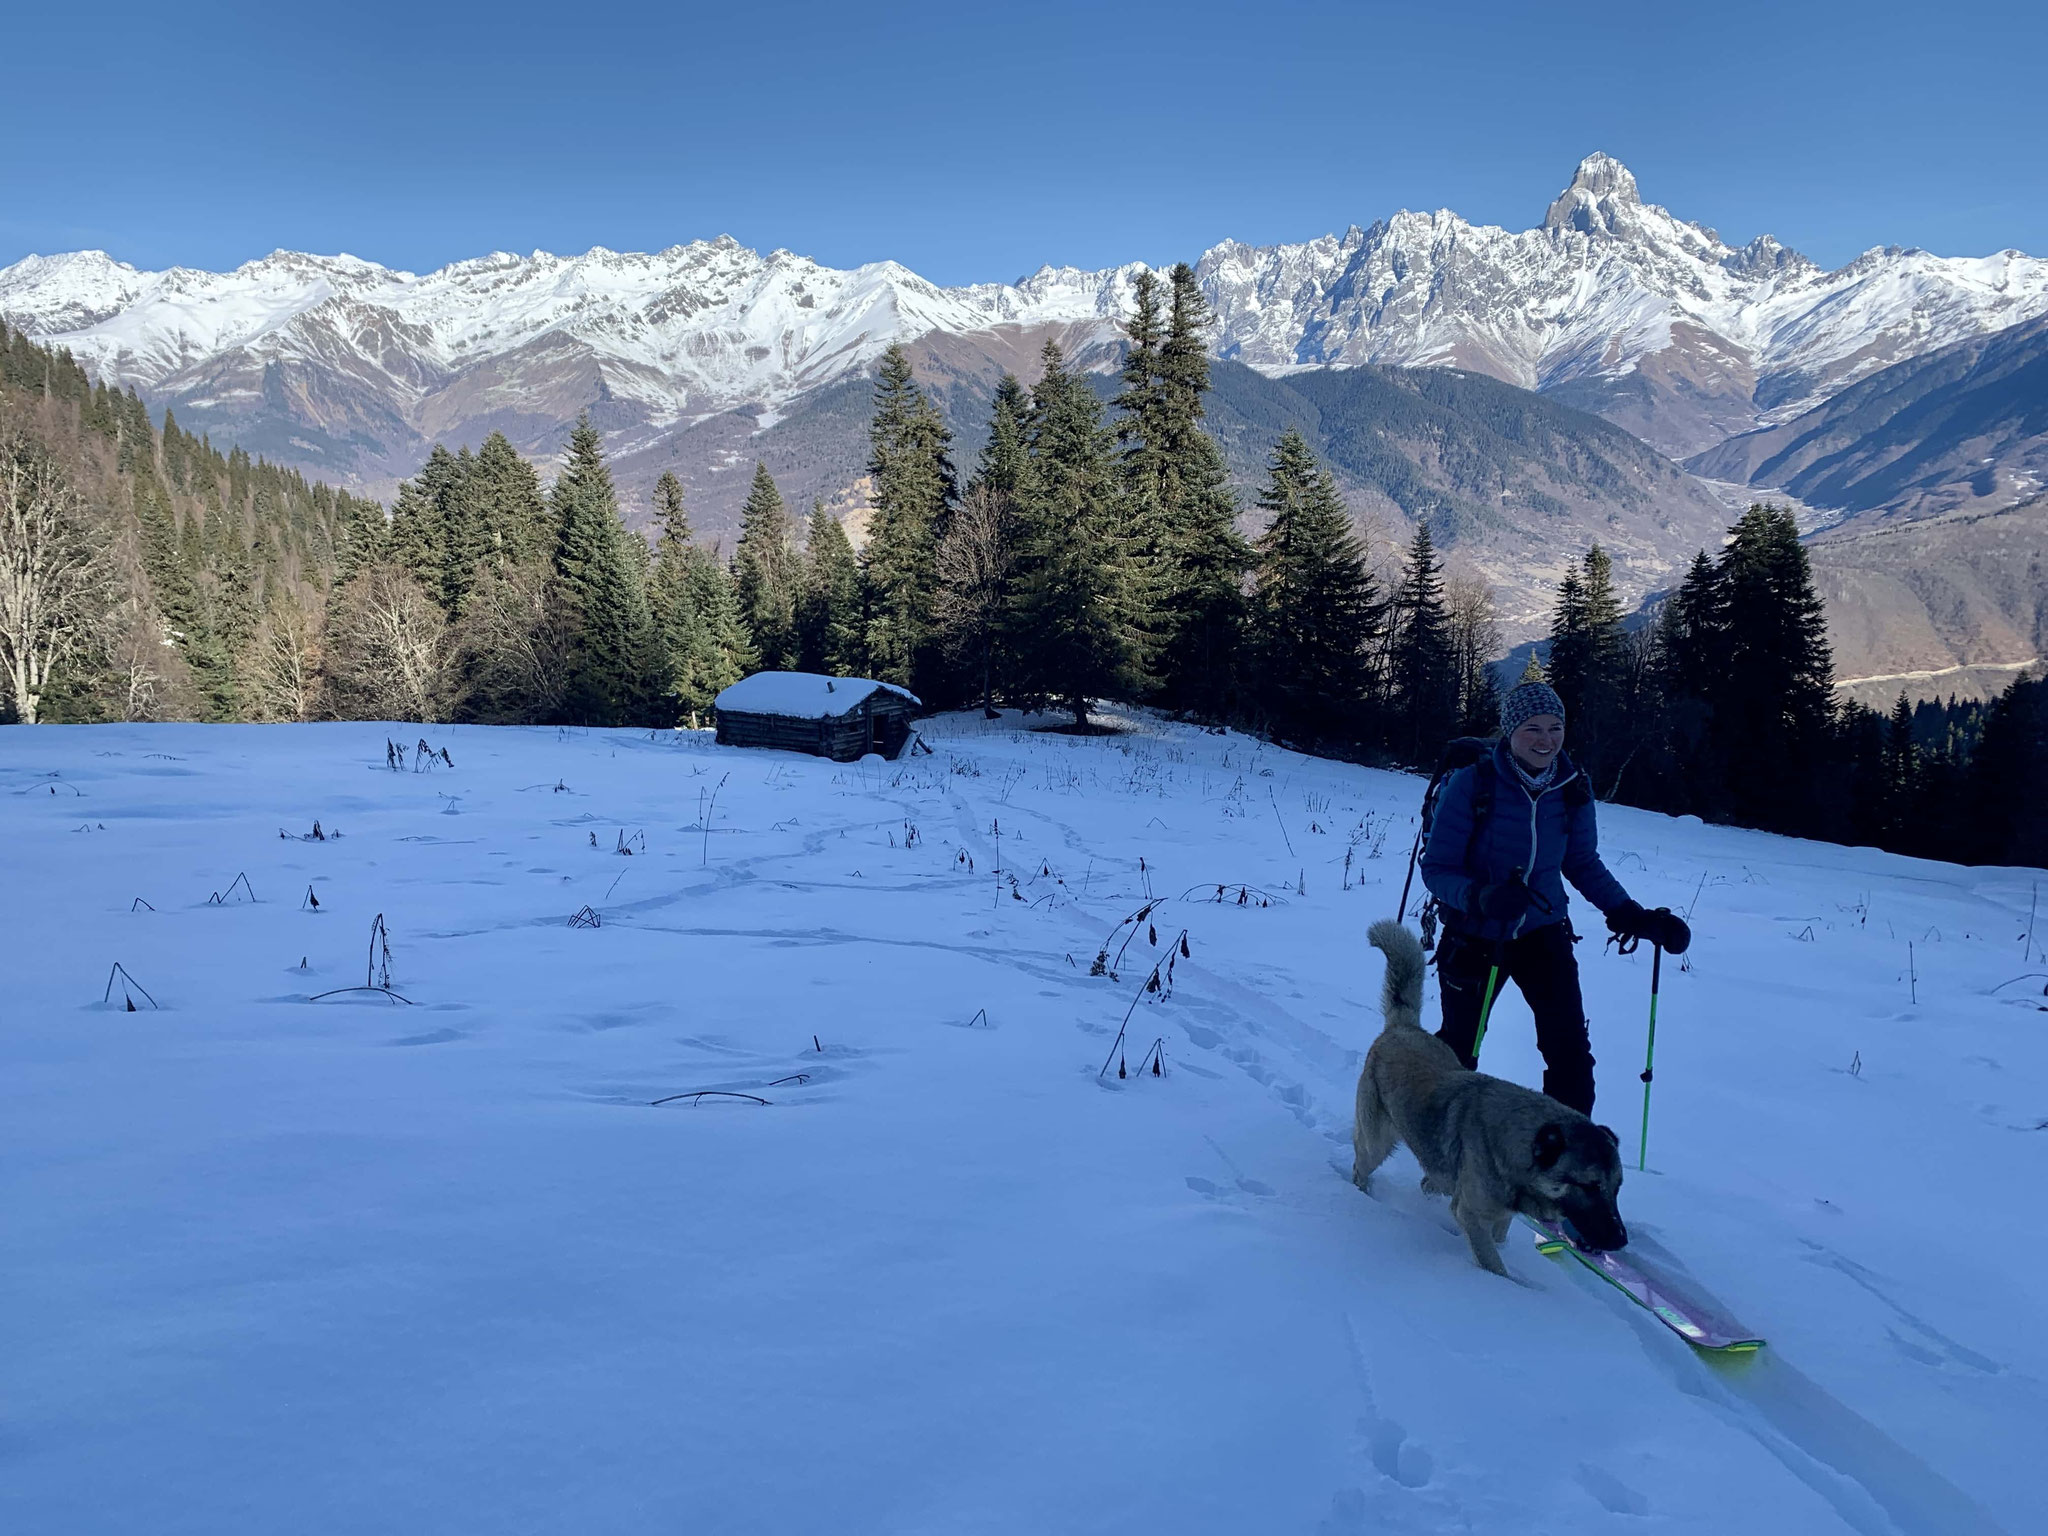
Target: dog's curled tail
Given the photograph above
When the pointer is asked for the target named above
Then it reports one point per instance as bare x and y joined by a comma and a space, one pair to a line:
1401, 996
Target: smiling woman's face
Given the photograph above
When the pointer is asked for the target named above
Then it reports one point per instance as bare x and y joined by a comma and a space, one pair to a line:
1536, 741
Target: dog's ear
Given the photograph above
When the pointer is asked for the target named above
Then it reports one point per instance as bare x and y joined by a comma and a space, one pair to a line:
1608, 1132
1549, 1146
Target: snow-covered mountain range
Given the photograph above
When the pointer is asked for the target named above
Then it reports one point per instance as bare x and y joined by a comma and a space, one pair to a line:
1614, 304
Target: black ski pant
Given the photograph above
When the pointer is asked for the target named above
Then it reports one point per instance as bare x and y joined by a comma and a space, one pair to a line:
1542, 966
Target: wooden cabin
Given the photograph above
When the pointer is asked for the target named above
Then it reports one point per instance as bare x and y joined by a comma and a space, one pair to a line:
842, 718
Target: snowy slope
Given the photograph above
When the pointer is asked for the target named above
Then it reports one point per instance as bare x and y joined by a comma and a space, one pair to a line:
351, 1265
1635, 312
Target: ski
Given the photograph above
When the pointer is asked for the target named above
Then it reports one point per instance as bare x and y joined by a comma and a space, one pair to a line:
1699, 1326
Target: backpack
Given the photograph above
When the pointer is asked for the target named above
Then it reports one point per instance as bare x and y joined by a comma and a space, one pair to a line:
1463, 752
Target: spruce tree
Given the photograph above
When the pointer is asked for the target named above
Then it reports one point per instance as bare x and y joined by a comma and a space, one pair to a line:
765, 574
669, 603
1142, 517
613, 651
1901, 771
1587, 655
467, 543
719, 653
1198, 598
519, 529
417, 541
911, 490
702, 640
831, 625
1424, 682
2008, 820
980, 574
1063, 634
1006, 457
1773, 700
1315, 609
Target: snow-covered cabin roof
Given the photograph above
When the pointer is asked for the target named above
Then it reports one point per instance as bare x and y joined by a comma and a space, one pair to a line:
803, 695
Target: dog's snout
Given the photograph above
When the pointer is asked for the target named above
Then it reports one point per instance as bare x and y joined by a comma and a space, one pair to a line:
1600, 1228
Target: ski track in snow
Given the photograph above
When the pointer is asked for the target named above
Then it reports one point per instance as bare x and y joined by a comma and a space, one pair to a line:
364, 1265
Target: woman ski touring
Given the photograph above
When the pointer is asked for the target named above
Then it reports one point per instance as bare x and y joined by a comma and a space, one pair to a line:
1507, 832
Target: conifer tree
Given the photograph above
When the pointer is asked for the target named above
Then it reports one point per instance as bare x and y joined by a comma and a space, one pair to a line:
1587, 652
831, 625
1005, 459
1062, 631
1901, 769
1198, 597
1772, 703
1142, 518
420, 525
912, 489
519, 530
977, 584
703, 641
980, 577
765, 574
718, 653
1314, 605
2008, 821
670, 602
613, 648
1424, 682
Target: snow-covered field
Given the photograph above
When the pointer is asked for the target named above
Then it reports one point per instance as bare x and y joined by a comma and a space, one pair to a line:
279, 1264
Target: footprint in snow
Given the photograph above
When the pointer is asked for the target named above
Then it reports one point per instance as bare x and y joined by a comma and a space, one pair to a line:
1610, 1492
1211, 1190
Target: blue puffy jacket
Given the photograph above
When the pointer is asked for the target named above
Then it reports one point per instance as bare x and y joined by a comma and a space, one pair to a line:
1546, 839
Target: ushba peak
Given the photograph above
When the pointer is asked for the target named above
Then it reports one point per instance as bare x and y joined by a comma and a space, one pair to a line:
1601, 196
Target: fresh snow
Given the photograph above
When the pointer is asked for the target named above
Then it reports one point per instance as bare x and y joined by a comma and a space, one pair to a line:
1603, 283
354, 1264
803, 695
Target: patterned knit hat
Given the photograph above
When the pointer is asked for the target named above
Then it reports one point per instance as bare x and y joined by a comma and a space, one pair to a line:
1525, 703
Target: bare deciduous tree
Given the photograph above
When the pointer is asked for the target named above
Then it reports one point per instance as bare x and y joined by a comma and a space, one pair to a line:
385, 649
511, 650
1475, 641
975, 560
284, 662
53, 576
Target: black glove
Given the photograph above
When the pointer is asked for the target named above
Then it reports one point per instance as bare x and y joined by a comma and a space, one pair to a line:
1626, 920
1666, 928
1503, 901
1663, 927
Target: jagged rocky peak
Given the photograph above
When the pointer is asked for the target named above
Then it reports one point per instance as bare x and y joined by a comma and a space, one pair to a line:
1602, 195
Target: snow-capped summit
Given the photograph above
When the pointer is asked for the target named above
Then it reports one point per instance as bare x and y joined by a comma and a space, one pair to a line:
1616, 303
1602, 190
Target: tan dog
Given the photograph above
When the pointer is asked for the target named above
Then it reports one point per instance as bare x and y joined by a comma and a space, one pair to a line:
1494, 1147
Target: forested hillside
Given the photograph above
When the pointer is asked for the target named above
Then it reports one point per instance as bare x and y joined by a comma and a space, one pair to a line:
184, 582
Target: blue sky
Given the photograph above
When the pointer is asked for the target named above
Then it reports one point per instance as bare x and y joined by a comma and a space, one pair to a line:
977, 142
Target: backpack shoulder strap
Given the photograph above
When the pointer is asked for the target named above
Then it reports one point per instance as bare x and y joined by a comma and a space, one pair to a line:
1484, 782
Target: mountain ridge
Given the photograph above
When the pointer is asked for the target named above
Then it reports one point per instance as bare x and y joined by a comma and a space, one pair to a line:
1961, 428
1616, 303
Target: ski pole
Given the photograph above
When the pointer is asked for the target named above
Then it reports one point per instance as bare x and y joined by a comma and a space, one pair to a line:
1413, 853
1649, 1055
1485, 1009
